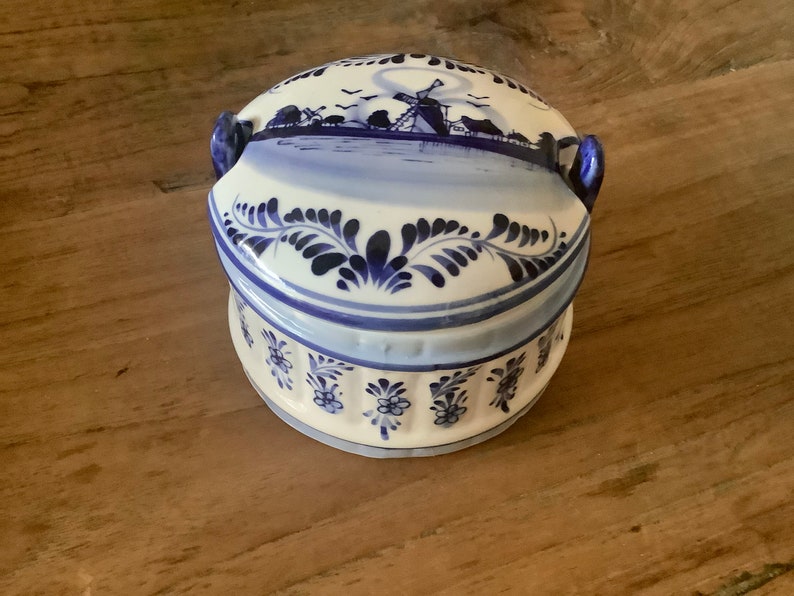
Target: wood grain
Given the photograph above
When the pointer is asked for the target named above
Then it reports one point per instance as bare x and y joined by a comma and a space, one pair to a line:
136, 459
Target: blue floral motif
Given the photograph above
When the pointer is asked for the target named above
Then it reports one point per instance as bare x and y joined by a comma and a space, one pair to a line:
328, 399
448, 399
507, 381
238, 302
391, 405
434, 249
545, 343
277, 359
322, 370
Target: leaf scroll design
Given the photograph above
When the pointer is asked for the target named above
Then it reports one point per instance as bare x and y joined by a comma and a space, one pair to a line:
524, 264
317, 234
435, 250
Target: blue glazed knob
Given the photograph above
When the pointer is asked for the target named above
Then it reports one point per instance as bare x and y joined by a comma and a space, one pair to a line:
229, 137
587, 170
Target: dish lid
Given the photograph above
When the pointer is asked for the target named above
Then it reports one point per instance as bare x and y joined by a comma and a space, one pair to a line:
403, 192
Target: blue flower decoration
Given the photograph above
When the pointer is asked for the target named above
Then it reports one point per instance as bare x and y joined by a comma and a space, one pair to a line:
448, 398
507, 382
448, 412
243, 323
328, 400
391, 405
277, 359
322, 370
546, 342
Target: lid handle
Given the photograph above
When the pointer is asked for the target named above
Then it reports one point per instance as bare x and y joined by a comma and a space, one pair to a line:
587, 170
229, 137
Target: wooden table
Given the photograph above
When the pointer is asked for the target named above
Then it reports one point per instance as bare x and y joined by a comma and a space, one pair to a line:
136, 459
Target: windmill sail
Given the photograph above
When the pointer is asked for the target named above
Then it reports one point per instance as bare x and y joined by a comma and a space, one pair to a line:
423, 110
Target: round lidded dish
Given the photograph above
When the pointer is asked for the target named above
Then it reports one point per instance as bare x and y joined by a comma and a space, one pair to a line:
403, 236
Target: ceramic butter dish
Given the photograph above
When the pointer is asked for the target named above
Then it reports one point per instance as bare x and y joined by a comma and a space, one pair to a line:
403, 236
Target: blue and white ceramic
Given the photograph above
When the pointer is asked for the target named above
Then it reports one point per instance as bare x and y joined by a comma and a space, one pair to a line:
403, 235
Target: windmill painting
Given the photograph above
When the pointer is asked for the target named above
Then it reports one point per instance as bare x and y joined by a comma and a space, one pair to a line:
424, 115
